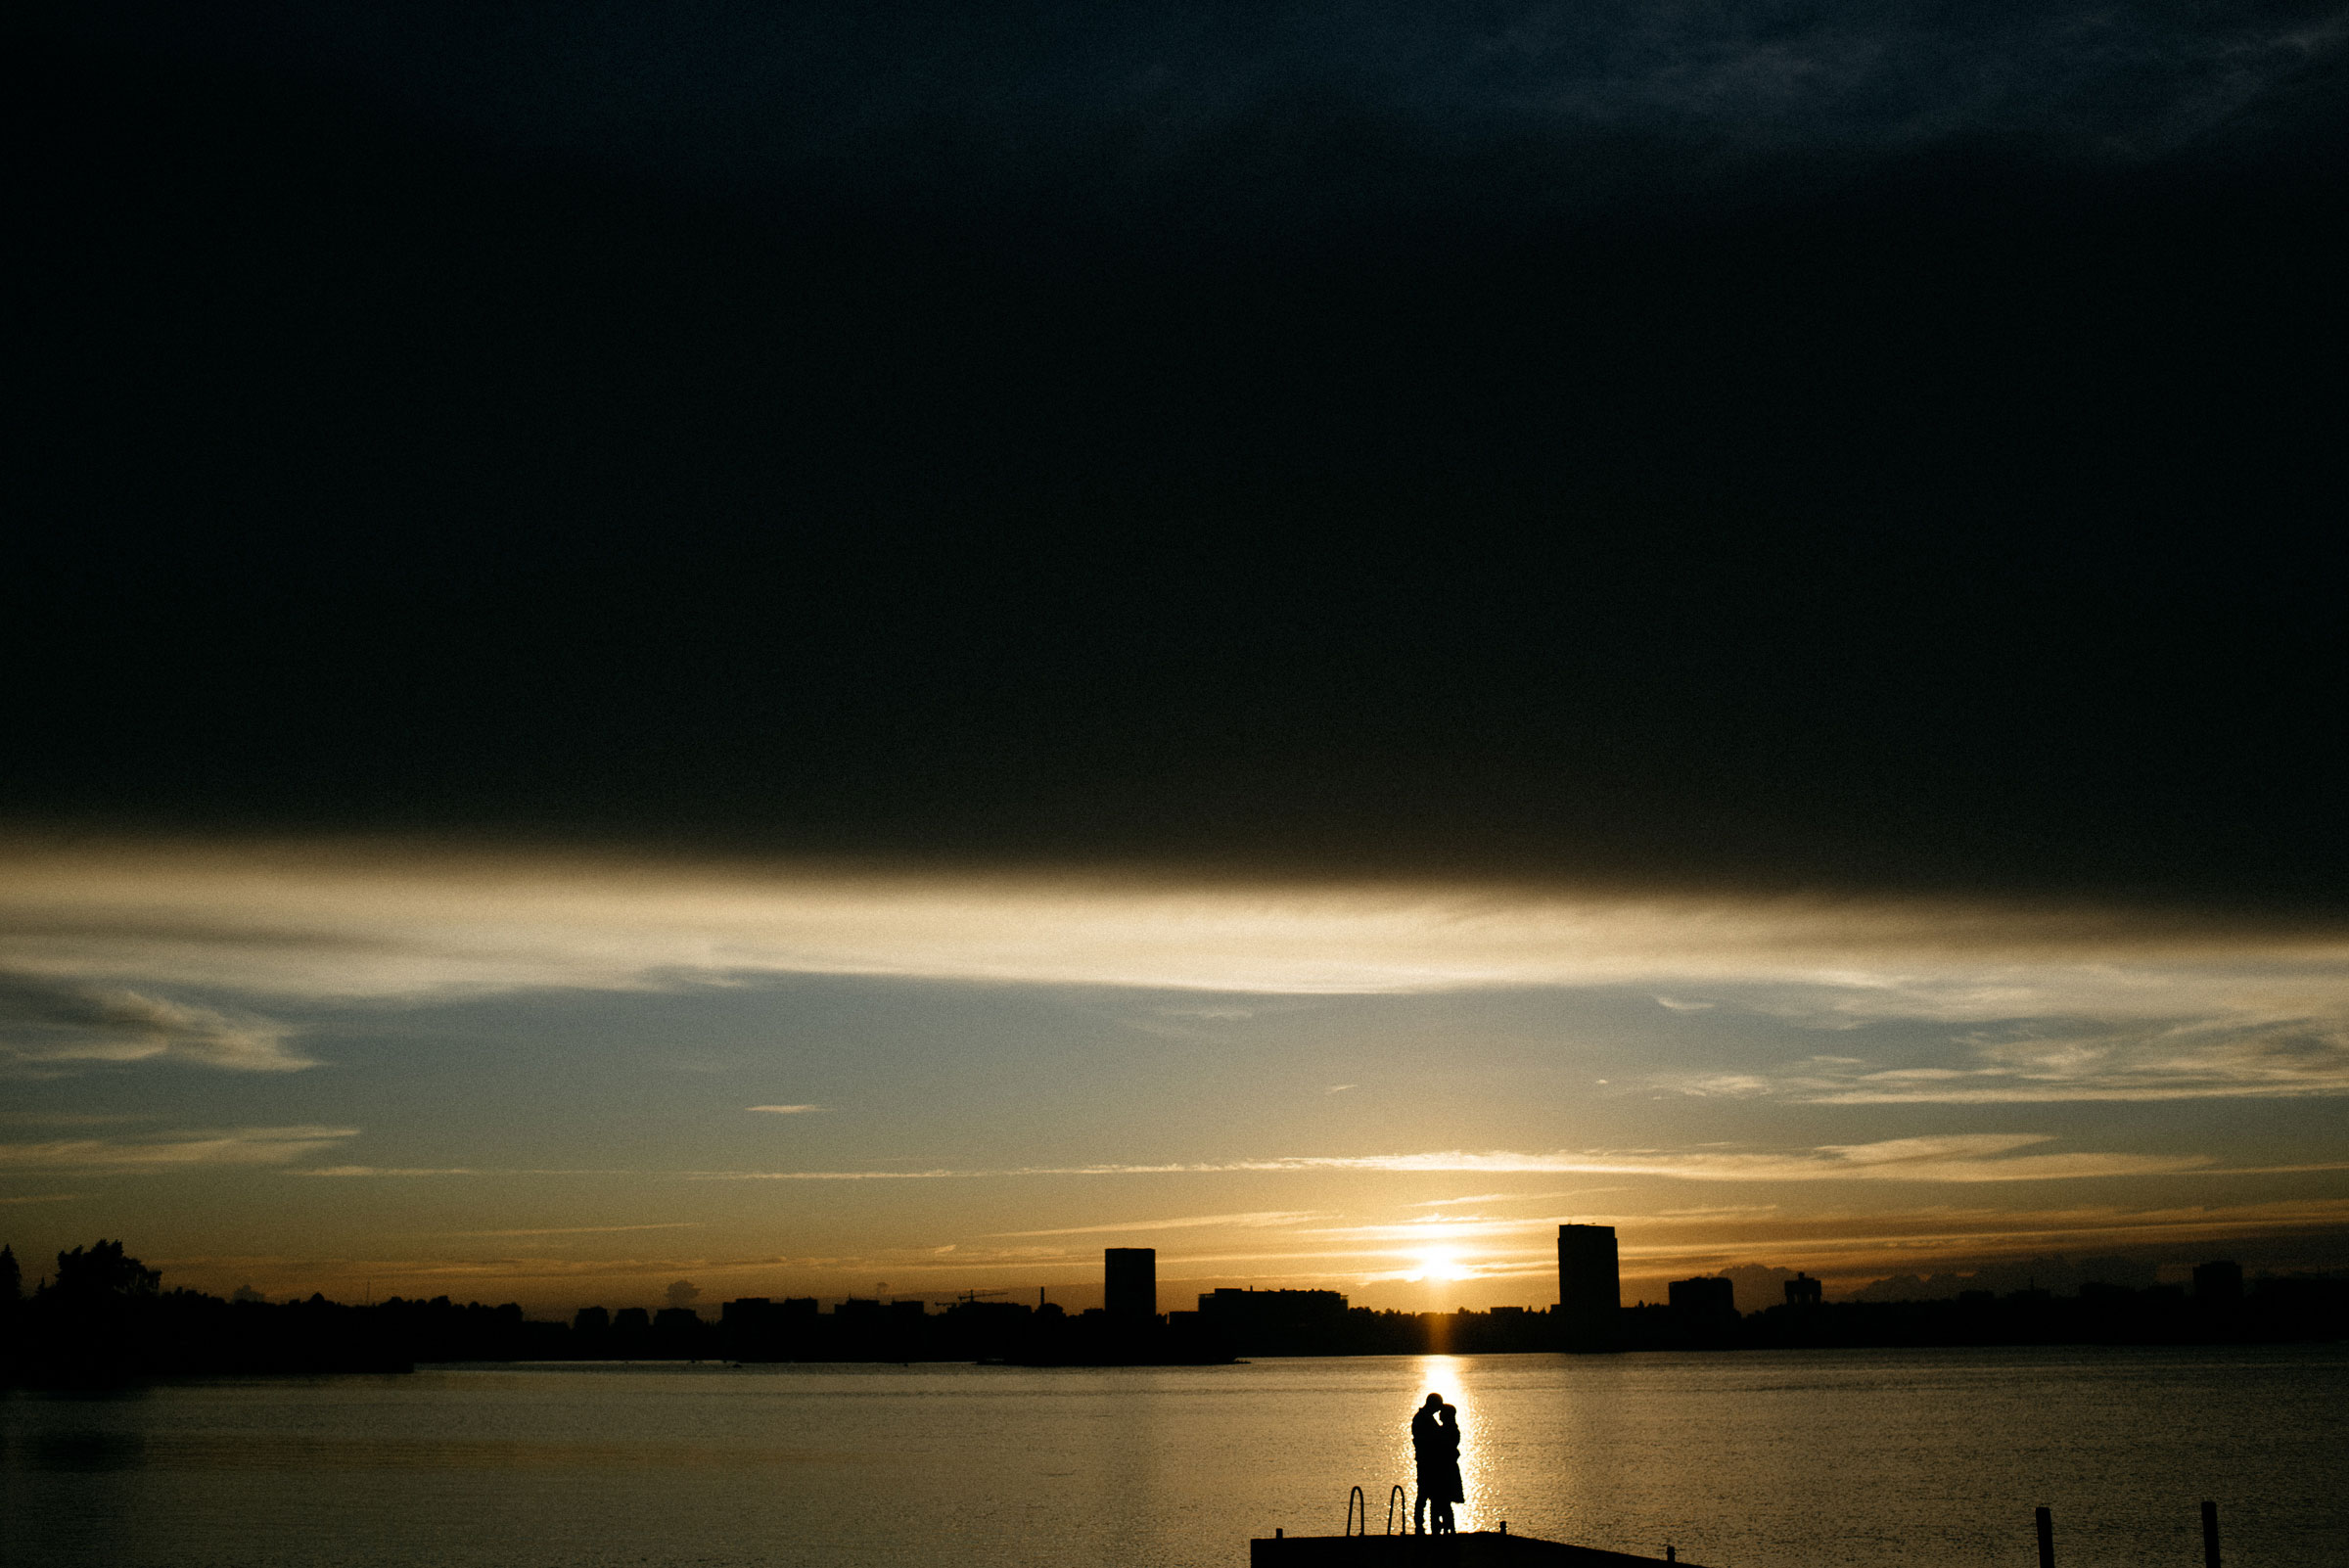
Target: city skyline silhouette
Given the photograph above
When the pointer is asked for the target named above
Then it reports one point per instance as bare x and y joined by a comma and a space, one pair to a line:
816, 785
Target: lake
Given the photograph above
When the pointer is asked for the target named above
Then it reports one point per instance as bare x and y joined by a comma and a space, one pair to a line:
1740, 1461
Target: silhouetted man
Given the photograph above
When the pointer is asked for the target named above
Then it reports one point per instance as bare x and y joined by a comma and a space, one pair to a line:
1427, 1458
1439, 1476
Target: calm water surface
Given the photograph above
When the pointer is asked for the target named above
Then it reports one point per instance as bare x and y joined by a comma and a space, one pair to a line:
1740, 1461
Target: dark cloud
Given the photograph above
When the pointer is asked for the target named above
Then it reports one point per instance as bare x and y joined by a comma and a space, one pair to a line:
1283, 109
47, 1026
1878, 445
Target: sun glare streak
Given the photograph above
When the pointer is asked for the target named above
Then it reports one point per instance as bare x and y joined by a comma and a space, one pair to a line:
1439, 1266
1447, 1375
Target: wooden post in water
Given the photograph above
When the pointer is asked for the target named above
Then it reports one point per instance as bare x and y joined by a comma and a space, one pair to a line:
2047, 1539
2210, 1534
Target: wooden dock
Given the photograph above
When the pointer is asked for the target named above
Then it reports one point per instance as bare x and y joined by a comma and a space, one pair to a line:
1481, 1548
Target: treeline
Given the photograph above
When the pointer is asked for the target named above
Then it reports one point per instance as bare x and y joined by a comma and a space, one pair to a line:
105, 1317
2276, 1309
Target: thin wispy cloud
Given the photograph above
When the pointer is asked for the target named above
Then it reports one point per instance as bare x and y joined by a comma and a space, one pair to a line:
49, 1026
1259, 1219
580, 1231
1957, 1157
1931, 1238
1427, 1229
1949, 1158
1514, 1197
1963, 1157
73, 1118
464, 1170
1445, 1203
450, 1275
787, 1110
2053, 1062
177, 1150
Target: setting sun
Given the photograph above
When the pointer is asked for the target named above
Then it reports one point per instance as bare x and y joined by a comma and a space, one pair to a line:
1439, 1266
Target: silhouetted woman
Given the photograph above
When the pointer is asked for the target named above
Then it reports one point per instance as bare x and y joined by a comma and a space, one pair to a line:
1427, 1459
1443, 1479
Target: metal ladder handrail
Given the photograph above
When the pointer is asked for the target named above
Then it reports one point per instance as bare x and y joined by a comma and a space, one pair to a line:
1352, 1498
1394, 1495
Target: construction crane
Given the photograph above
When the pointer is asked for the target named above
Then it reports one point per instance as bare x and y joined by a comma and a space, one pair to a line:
973, 1295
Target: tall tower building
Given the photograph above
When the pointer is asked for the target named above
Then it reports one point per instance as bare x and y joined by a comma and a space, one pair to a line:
1590, 1287
1130, 1277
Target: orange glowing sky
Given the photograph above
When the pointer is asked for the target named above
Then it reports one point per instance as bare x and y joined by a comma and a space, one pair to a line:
380, 1067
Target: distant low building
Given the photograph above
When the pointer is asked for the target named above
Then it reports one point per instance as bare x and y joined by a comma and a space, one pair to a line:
1706, 1298
995, 1311
2218, 1283
1271, 1306
1803, 1291
1274, 1322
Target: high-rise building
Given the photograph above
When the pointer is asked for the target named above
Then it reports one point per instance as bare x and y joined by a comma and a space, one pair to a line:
1802, 1291
1590, 1287
1131, 1282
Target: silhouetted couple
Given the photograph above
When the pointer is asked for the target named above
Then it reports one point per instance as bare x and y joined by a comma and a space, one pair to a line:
1436, 1454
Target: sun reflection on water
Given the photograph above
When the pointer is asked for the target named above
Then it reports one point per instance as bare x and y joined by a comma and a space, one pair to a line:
1446, 1375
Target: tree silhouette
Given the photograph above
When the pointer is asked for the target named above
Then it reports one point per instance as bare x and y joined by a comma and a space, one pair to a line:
103, 1273
12, 1313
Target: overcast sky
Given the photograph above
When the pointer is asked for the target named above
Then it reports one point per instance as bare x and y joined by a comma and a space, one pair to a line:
792, 647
